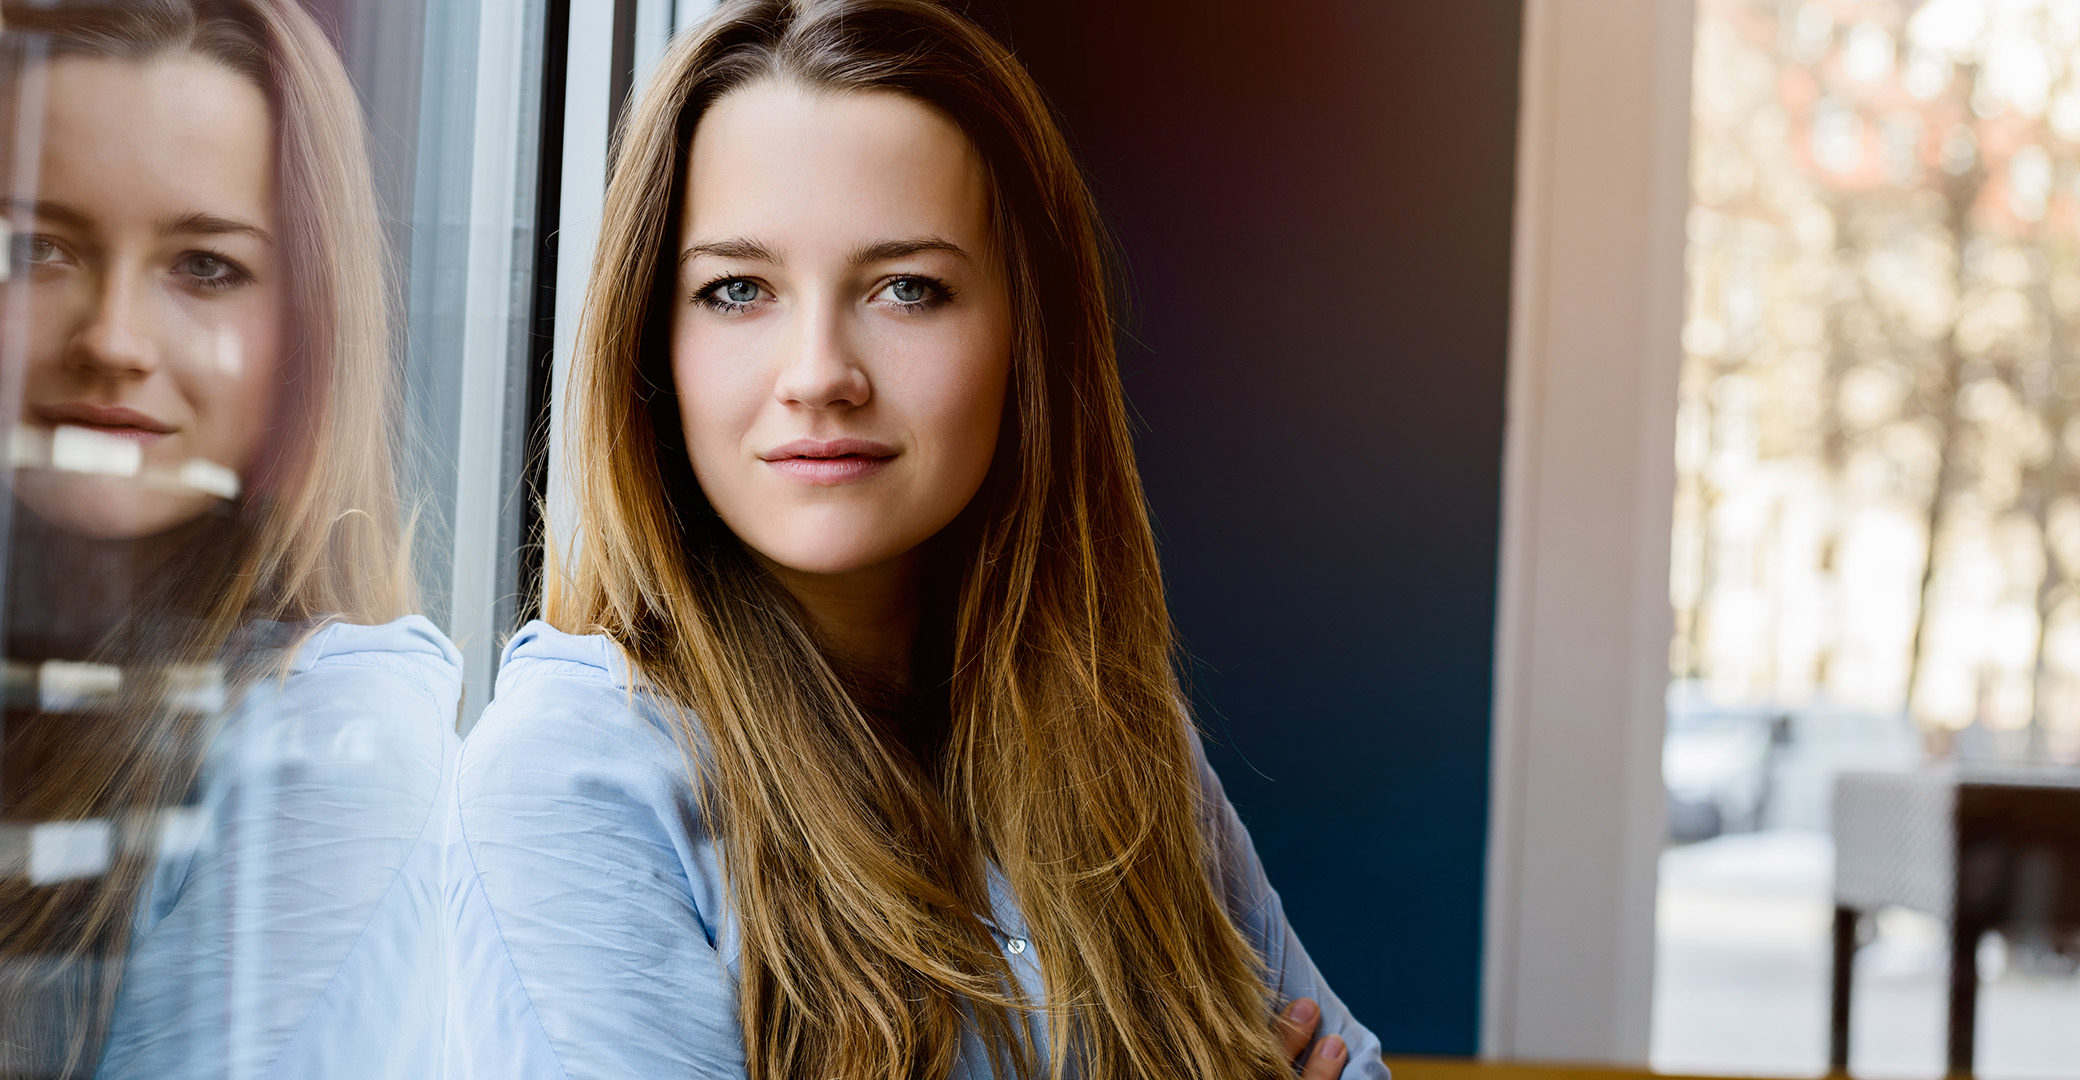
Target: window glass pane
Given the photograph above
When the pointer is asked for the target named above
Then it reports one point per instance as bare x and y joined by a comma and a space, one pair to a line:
265, 263
1875, 714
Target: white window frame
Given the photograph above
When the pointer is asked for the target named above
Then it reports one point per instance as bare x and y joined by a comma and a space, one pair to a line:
488, 446
588, 124
1583, 622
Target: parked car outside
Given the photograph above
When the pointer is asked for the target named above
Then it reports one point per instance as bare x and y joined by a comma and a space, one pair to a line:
1744, 767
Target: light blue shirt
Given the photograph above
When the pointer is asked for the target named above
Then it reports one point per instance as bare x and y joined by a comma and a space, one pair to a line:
591, 934
291, 926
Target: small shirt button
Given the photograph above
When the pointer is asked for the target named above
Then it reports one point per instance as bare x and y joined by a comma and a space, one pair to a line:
1017, 946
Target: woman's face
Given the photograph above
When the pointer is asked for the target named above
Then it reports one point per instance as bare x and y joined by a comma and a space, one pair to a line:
153, 319
841, 337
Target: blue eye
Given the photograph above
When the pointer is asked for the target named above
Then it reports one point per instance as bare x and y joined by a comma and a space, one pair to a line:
33, 252
729, 296
913, 292
211, 271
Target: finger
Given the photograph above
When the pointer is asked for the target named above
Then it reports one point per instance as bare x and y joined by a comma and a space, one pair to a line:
1296, 1026
1326, 1063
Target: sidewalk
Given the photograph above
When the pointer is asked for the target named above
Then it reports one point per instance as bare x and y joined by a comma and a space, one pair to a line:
1741, 977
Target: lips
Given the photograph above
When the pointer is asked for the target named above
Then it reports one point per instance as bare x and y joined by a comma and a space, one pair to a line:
828, 462
107, 419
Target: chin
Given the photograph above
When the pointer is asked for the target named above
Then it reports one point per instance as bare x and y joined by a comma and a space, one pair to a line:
828, 548
105, 508
825, 561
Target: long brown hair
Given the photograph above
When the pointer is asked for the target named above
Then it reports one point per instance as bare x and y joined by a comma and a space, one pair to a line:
1068, 762
315, 536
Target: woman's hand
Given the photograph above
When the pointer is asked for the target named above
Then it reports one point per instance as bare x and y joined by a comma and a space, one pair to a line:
1297, 1026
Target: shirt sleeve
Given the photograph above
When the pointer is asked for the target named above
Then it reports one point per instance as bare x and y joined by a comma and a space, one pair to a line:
1255, 907
577, 869
291, 941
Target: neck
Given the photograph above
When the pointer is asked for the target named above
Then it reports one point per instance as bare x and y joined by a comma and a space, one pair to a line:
866, 617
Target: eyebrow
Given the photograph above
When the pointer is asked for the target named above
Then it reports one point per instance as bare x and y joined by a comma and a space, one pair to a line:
749, 250
898, 249
191, 223
734, 247
207, 224
59, 212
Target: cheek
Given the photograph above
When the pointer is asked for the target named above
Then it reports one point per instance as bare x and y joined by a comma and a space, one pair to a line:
967, 408
231, 377
52, 313
721, 388
959, 393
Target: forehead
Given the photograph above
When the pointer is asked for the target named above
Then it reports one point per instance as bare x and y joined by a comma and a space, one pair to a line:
141, 139
795, 168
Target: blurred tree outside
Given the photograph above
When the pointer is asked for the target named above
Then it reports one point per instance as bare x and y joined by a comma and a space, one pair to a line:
1878, 431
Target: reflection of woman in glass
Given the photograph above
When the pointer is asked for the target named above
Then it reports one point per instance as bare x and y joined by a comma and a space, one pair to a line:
225, 742
855, 748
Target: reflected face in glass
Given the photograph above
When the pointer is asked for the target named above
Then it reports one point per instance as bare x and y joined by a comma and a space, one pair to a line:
841, 339
153, 311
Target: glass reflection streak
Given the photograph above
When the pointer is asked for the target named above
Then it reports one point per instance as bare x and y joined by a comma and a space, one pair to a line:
224, 736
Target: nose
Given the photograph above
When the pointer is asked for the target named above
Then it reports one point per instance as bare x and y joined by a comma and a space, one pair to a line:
115, 342
822, 369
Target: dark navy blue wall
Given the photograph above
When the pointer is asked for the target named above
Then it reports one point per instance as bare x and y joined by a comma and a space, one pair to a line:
1314, 199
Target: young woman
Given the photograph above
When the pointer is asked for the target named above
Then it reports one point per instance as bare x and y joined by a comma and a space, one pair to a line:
850, 744
229, 735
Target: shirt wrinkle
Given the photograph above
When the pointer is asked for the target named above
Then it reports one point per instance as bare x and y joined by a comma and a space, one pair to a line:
565, 730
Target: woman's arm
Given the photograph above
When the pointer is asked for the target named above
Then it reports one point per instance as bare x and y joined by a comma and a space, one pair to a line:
1255, 907
581, 889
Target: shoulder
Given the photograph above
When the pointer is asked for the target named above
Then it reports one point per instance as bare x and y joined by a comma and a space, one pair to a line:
574, 808
567, 735
411, 649
353, 715
361, 708
565, 708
